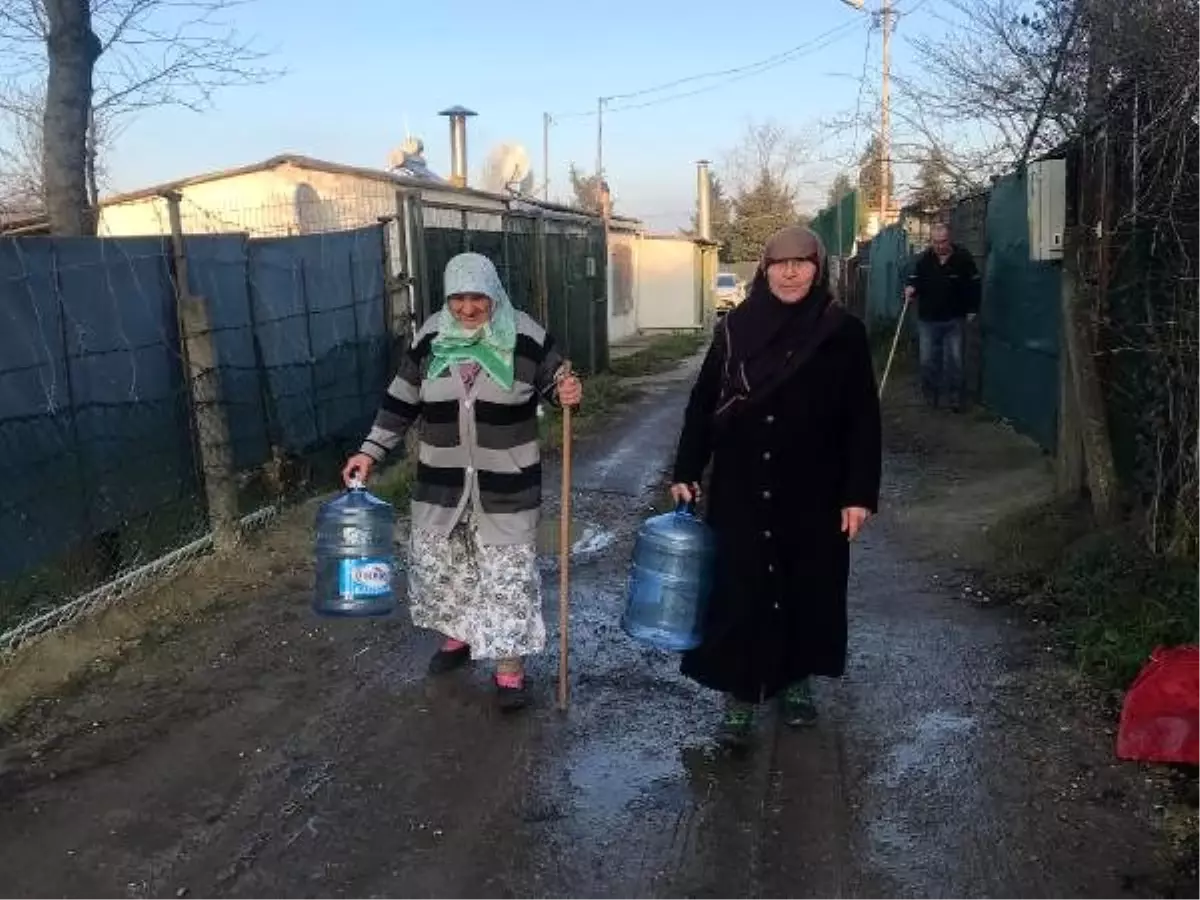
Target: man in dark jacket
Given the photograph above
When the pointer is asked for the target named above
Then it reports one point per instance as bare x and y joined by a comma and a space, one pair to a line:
945, 285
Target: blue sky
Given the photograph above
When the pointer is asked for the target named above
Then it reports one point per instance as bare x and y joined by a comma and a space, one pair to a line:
358, 70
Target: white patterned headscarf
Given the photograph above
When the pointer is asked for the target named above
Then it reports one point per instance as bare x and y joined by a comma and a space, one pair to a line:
491, 345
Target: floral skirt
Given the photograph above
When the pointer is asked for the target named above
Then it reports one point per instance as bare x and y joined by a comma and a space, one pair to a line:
488, 596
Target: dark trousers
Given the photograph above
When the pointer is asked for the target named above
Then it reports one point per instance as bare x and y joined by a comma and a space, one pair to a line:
942, 360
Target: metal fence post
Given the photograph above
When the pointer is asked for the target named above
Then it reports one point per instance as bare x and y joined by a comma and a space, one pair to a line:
200, 372
420, 256
399, 309
539, 254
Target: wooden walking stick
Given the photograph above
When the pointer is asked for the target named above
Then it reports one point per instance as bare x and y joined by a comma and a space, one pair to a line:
564, 552
891, 356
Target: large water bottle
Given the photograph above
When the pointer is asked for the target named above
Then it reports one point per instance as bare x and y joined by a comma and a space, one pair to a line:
355, 555
670, 581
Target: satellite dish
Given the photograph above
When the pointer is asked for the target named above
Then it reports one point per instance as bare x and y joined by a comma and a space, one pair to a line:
409, 160
507, 170
412, 148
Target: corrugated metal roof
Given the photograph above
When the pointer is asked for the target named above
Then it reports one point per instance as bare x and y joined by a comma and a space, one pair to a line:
321, 165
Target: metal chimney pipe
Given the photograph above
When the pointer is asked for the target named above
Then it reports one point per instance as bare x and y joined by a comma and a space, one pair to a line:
703, 200
458, 143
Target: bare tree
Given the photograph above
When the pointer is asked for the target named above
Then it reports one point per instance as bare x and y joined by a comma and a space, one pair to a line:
587, 190
918, 132
767, 151
22, 113
999, 67
145, 54
21, 154
978, 90
72, 49
932, 190
763, 172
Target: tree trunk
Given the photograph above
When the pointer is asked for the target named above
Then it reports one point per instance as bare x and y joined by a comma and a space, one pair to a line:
72, 50
1086, 388
1083, 252
93, 185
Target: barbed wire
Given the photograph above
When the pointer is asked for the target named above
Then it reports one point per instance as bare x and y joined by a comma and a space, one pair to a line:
104, 421
101, 481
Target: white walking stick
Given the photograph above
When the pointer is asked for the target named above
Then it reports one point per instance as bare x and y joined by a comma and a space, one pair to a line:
892, 355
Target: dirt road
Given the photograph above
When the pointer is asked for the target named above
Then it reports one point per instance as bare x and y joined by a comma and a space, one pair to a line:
253, 750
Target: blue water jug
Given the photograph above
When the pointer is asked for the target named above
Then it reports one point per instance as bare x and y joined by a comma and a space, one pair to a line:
356, 564
670, 581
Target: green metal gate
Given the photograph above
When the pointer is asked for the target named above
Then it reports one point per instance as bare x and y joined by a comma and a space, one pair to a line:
571, 252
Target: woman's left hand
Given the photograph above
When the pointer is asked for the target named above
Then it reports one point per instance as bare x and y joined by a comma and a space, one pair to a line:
570, 391
853, 520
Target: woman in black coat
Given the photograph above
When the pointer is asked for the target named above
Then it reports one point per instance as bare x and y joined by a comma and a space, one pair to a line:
786, 409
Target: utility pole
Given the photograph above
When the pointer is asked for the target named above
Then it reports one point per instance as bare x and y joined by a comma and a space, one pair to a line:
547, 121
838, 211
703, 200
885, 115
886, 15
599, 141
605, 201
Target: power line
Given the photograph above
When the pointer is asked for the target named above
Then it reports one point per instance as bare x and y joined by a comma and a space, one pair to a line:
727, 81
761, 65
862, 83
728, 75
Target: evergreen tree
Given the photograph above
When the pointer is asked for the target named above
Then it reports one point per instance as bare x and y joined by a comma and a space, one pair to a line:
759, 212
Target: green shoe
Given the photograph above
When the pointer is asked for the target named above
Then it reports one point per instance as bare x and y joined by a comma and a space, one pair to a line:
798, 707
737, 726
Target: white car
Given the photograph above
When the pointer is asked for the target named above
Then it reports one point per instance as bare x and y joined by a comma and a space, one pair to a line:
730, 291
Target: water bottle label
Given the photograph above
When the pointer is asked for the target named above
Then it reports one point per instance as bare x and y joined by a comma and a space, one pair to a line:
362, 578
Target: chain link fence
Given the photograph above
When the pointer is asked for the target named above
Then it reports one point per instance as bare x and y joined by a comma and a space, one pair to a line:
160, 394
98, 469
135, 415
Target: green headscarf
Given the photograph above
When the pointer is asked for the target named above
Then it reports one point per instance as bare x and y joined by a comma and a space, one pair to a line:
490, 345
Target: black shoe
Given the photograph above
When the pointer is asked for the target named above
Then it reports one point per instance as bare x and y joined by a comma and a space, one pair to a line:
511, 699
448, 660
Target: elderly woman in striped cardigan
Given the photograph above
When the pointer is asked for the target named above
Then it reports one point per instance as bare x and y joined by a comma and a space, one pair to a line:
473, 377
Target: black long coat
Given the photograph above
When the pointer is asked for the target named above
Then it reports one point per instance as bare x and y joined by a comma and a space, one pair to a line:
782, 471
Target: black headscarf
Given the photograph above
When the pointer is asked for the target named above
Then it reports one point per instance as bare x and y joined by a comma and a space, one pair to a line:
765, 338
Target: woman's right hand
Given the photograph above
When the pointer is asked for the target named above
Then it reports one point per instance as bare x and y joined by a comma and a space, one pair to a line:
685, 493
357, 468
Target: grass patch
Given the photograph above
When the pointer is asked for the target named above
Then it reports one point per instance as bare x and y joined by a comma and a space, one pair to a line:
661, 355
603, 396
1028, 545
395, 483
1109, 601
881, 336
1113, 603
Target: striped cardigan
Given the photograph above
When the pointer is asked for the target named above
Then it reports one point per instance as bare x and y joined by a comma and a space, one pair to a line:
477, 447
